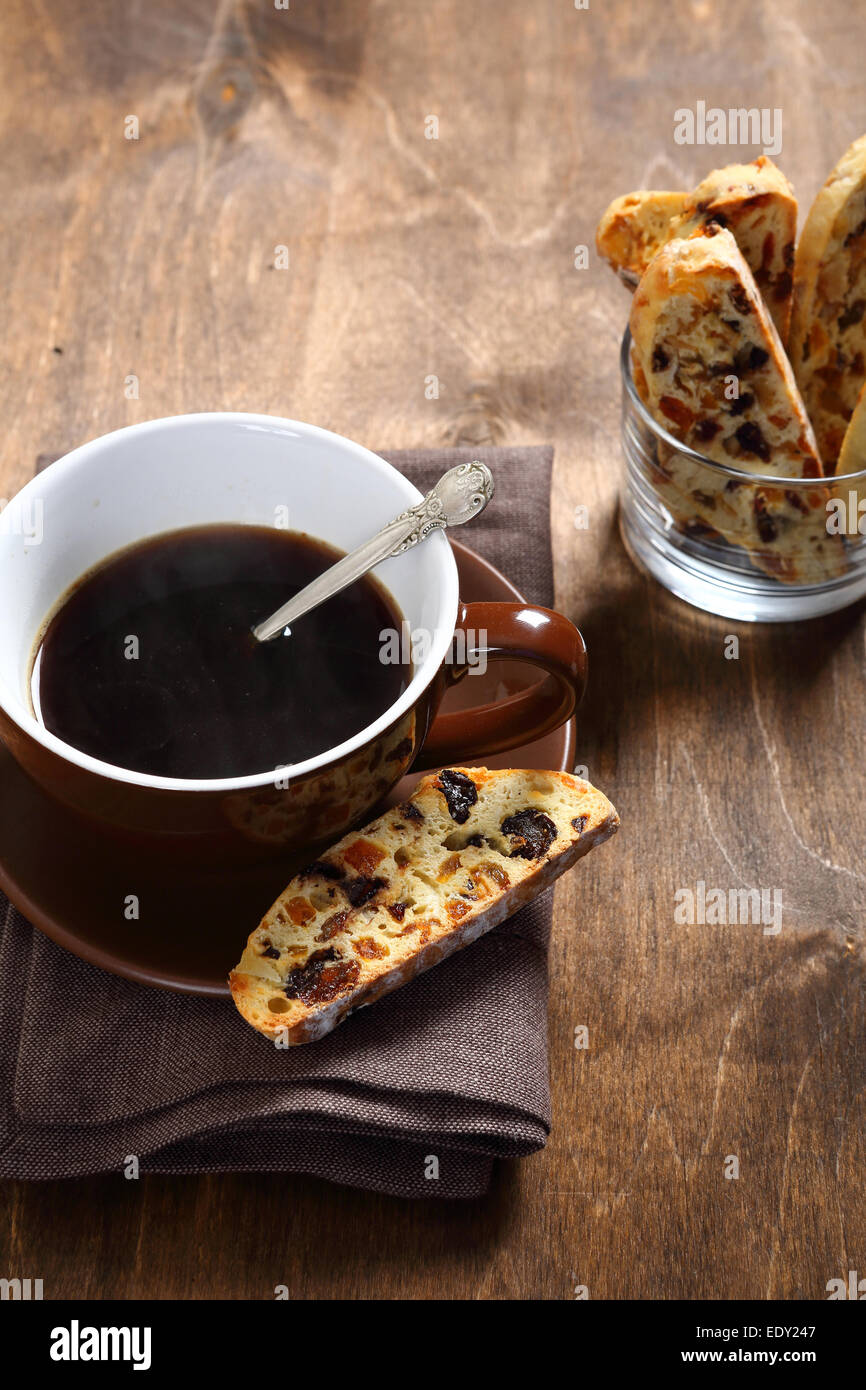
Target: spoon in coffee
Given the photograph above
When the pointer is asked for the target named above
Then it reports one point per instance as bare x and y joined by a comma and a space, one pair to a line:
460, 495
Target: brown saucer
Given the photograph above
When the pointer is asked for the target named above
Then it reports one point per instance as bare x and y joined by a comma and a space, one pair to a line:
72, 884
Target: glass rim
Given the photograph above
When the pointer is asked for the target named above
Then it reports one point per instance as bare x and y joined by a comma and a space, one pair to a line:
832, 480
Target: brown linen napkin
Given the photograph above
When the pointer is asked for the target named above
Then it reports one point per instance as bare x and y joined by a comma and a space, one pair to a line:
94, 1069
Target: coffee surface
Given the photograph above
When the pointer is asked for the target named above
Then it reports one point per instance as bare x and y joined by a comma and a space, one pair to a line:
150, 663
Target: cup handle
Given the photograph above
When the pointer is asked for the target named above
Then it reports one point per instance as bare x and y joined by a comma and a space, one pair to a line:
513, 632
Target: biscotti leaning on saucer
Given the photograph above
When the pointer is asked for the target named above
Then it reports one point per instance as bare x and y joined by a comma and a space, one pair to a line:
426, 878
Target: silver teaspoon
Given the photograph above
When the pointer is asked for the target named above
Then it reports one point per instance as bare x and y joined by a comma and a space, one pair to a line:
460, 495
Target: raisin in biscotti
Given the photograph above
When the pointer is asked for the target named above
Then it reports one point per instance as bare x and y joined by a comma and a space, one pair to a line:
698, 322
633, 229
828, 330
464, 852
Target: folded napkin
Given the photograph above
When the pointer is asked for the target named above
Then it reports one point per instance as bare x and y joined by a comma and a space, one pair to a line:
95, 1069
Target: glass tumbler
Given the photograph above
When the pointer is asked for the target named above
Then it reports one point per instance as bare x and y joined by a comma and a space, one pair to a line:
755, 547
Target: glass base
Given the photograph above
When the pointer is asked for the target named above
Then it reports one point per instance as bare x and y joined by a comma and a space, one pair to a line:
747, 596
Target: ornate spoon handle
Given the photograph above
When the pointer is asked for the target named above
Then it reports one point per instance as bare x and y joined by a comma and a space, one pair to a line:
460, 494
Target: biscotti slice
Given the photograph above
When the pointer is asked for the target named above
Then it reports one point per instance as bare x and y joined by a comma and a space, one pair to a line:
633, 228
828, 329
756, 203
852, 456
852, 459
465, 851
700, 330
698, 325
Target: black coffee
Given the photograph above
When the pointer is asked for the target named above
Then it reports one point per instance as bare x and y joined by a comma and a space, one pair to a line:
150, 662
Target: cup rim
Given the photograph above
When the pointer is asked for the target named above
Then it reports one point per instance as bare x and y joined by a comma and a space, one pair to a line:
421, 679
756, 479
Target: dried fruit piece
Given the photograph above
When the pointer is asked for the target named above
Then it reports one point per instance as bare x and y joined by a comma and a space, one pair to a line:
324, 977
494, 872
533, 832
369, 949
449, 866
361, 890
323, 869
460, 793
300, 910
332, 925
752, 440
364, 857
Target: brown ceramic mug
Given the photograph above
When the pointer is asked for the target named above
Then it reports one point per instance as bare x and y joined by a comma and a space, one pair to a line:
201, 469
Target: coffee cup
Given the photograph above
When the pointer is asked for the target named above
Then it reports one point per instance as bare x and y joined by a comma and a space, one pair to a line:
194, 470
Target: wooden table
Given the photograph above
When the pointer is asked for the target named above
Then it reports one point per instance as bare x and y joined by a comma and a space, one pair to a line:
140, 281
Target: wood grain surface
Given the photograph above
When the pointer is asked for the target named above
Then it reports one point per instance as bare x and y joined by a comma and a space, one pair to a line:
454, 257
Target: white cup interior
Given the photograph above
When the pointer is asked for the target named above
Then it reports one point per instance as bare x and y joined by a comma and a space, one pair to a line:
192, 470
